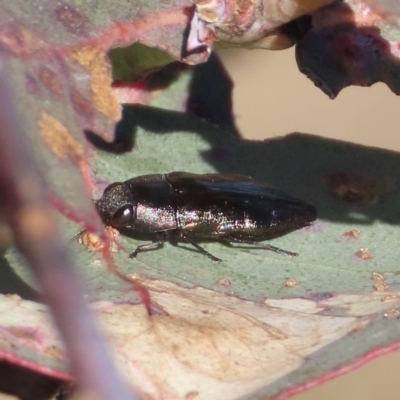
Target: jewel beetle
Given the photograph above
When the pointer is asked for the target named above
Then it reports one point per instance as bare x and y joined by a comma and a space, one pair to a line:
190, 207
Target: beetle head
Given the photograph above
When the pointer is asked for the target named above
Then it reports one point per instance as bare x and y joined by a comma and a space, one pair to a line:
117, 207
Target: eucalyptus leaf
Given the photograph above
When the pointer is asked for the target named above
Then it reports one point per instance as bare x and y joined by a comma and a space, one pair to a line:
273, 321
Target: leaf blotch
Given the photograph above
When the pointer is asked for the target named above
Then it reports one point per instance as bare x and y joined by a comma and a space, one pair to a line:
94, 243
364, 254
381, 287
390, 297
51, 80
224, 282
353, 234
26, 333
72, 20
57, 137
81, 105
290, 283
94, 60
18, 40
54, 352
377, 276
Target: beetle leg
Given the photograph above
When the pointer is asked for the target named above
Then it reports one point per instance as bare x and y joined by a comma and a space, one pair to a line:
183, 235
231, 239
161, 239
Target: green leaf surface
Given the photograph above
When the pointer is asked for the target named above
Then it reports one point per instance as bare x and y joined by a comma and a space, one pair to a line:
273, 321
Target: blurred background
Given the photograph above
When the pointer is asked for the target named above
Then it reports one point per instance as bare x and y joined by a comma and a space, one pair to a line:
272, 98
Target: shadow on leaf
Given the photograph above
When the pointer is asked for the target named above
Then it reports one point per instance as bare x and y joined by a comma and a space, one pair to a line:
347, 182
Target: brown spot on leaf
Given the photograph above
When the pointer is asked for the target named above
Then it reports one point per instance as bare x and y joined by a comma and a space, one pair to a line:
94, 60
356, 189
224, 282
54, 352
91, 241
377, 276
94, 243
71, 19
17, 40
290, 283
51, 80
381, 287
81, 104
358, 328
24, 333
353, 234
380, 284
390, 297
59, 139
364, 254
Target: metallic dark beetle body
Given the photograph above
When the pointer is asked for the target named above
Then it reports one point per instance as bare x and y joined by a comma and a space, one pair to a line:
232, 208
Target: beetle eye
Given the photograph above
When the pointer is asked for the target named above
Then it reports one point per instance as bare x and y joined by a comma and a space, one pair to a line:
123, 217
